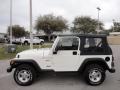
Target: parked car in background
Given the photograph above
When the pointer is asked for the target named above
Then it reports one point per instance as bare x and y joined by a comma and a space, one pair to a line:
2, 37
2, 40
36, 40
16, 40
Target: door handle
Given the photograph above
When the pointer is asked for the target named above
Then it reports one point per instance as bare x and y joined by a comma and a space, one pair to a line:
74, 52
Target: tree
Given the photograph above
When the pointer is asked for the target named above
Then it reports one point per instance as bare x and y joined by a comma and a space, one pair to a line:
85, 25
17, 31
107, 31
50, 23
116, 27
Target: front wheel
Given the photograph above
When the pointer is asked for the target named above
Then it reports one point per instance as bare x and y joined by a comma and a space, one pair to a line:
24, 75
94, 74
41, 43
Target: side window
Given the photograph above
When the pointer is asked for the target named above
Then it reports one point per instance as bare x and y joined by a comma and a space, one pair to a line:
93, 42
35, 38
70, 43
93, 45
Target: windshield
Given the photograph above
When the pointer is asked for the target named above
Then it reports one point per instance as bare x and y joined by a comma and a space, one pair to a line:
55, 43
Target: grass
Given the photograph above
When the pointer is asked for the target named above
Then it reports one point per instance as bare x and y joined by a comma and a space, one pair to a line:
4, 55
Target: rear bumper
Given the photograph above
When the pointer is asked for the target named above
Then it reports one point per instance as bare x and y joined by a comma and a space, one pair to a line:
112, 70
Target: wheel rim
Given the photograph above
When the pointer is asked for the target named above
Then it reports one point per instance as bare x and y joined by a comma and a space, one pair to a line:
24, 76
41, 43
25, 43
95, 75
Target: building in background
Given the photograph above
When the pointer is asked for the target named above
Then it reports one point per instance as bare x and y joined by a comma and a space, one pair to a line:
115, 33
2, 37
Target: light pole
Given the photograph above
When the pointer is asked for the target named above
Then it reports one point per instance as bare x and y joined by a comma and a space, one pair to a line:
98, 18
10, 21
113, 25
31, 35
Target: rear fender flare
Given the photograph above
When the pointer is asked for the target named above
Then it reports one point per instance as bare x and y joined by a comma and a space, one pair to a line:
99, 61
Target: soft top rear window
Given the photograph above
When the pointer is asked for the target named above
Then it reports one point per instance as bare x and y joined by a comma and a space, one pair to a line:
93, 42
93, 45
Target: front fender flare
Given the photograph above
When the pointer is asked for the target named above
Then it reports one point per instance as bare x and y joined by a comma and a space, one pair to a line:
15, 63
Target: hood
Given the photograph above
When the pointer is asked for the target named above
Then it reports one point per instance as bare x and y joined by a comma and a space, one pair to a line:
33, 53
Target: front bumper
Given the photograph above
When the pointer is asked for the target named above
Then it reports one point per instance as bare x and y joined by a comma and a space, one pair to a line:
9, 69
12, 64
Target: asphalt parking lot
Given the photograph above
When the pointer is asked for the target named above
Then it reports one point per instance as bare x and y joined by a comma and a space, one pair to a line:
51, 81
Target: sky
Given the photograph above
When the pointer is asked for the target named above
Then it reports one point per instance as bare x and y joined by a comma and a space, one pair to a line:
69, 9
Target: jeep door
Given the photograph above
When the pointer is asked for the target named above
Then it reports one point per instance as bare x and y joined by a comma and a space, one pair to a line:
66, 54
36, 40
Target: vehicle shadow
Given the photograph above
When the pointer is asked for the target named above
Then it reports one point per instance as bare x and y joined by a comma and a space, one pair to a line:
60, 78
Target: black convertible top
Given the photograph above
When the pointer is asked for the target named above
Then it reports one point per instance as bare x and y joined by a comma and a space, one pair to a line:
85, 35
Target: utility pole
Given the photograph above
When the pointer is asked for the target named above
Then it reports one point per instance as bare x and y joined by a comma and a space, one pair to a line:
10, 21
31, 34
98, 18
113, 25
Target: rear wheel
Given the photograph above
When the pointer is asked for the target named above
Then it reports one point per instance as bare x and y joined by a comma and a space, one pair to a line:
94, 74
26, 43
41, 43
24, 75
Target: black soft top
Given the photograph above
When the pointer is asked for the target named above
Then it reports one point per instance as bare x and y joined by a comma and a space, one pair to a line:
85, 35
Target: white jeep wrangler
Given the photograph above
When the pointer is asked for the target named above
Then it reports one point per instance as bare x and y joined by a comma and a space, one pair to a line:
87, 54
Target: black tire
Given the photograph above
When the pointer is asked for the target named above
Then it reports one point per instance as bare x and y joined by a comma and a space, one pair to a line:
94, 72
41, 43
26, 43
31, 75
